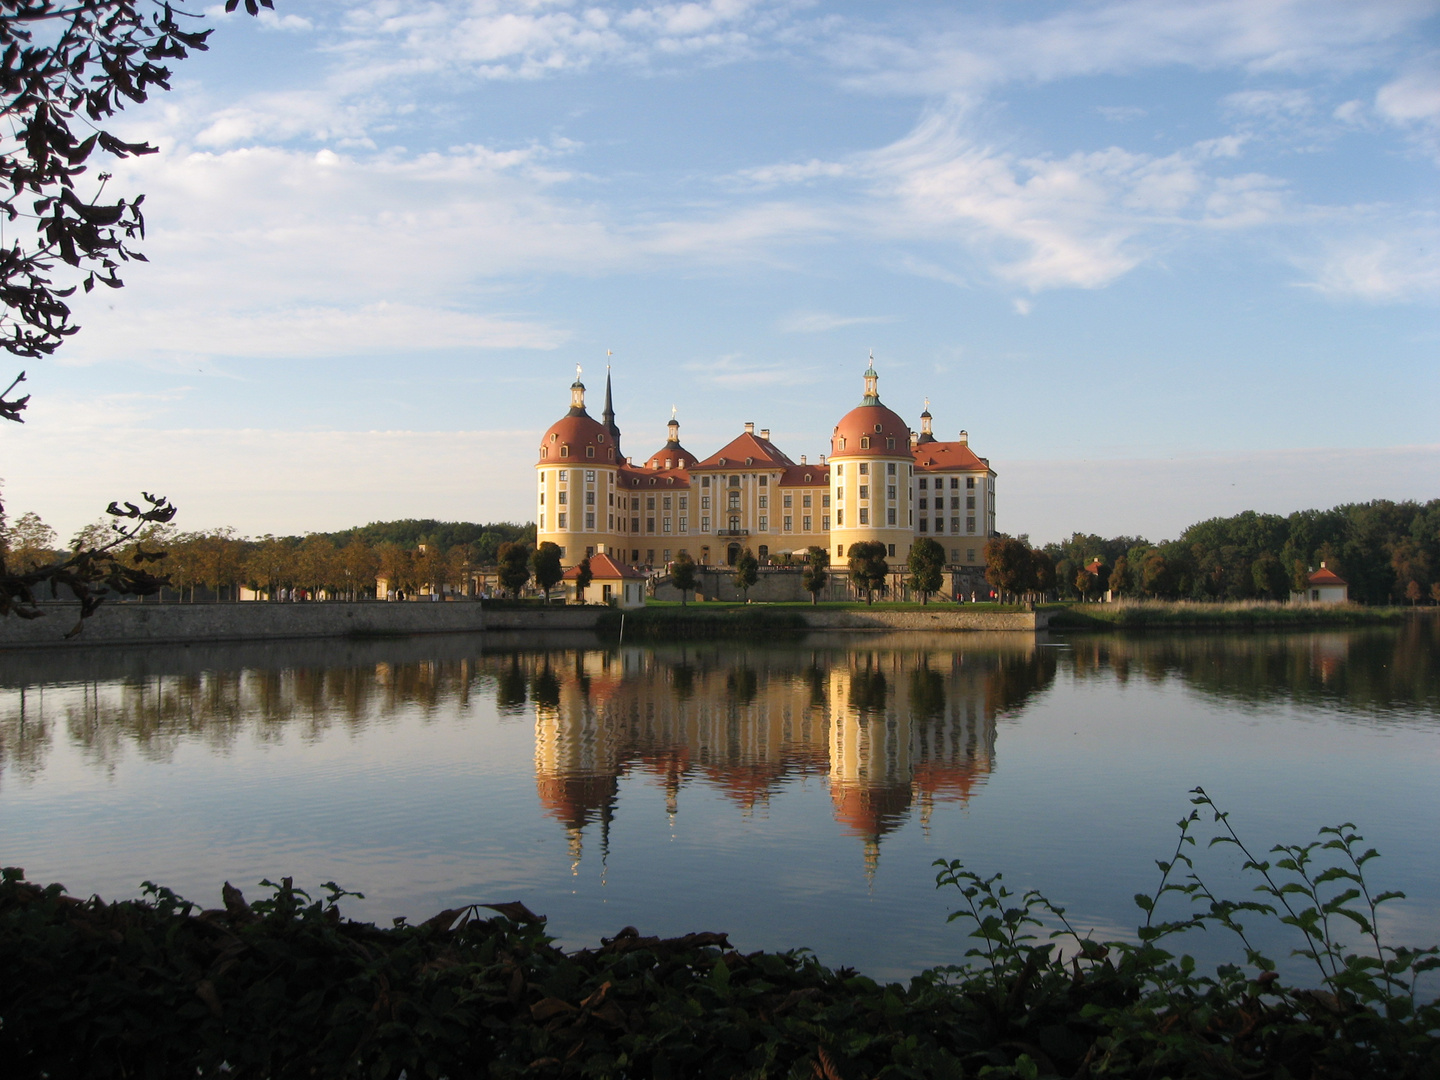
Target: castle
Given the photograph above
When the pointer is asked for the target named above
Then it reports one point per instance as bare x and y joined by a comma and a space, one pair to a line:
881, 482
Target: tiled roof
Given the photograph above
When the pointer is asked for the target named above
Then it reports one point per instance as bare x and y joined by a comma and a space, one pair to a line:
602, 567
794, 476
948, 455
747, 451
1325, 577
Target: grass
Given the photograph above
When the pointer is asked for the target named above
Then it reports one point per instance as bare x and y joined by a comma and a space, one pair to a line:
286, 987
1146, 614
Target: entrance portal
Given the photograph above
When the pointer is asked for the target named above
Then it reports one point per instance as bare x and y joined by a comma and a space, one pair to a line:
732, 554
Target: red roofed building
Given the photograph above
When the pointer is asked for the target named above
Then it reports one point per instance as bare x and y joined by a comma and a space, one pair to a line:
609, 581
1322, 587
882, 482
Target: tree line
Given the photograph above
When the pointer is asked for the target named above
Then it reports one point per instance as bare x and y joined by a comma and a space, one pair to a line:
412, 555
1387, 552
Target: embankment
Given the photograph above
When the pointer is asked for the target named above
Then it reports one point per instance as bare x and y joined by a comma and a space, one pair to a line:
1159, 615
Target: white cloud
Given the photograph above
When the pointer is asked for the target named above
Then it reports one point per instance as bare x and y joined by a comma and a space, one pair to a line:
733, 373
819, 322
1395, 267
1022, 306
1414, 96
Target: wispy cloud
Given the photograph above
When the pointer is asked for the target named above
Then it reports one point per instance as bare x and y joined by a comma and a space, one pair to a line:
819, 322
735, 373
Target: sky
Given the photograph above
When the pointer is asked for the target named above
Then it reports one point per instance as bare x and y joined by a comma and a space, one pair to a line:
1162, 261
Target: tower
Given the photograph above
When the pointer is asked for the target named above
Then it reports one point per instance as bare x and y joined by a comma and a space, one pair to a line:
870, 473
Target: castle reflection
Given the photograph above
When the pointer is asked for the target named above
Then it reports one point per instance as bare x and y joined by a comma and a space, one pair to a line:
892, 728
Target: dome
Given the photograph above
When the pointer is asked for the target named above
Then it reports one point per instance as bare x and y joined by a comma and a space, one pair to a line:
887, 434
571, 436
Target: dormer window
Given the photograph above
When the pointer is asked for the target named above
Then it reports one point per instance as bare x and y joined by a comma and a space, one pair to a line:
544, 451
554, 435
864, 442
565, 450
749, 461
878, 429
682, 463
721, 461
807, 478
600, 437
589, 451
890, 444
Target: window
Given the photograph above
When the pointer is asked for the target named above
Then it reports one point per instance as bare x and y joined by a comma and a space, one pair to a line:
969, 524
924, 504
764, 502
764, 481
924, 522
589, 498
650, 502
635, 502
954, 483
825, 500
665, 525
565, 450
864, 443
704, 524
890, 492
787, 522
923, 484
612, 498
969, 481
954, 502
665, 555
564, 475
734, 500
764, 524
590, 451
787, 501
542, 498
890, 469
704, 481
805, 523
649, 524
954, 554
562, 521
839, 517
764, 553
612, 522
589, 551
879, 428
839, 494
939, 525
684, 502
839, 550
890, 443
864, 491
864, 516
890, 516
805, 501
890, 550
734, 524
735, 481
704, 502
969, 554
589, 476
634, 524
650, 555
825, 523
590, 520
684, 524
970, 502
839, 471
864, 468
561, 496
954, 524
665, 503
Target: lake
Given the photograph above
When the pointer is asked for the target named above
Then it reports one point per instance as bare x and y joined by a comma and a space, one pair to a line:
792, 791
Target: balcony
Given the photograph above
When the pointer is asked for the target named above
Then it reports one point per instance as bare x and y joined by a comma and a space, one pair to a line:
732, 532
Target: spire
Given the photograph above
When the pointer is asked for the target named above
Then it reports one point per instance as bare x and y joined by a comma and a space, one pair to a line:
608, 416
872, 383
927, 435
672, 430
577, 395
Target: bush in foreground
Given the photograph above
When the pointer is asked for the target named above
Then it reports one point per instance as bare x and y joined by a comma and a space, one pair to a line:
285, 987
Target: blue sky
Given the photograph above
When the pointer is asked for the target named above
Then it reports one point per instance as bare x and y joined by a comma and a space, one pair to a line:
1162, 260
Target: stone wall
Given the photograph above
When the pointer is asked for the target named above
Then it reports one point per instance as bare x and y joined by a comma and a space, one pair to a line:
137, 623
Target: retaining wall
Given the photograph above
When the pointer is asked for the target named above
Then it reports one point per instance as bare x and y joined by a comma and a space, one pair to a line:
948, 618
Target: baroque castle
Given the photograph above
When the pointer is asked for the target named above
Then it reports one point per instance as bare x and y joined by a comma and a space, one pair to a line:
882, 481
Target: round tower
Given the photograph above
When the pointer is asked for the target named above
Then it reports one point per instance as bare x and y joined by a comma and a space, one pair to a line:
870, 471
576, 477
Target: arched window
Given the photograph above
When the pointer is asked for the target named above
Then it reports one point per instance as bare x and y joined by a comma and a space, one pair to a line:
565, 450
590, 451
864, 442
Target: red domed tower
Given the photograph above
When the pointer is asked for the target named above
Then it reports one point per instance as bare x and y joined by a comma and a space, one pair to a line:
577, 476
870, 468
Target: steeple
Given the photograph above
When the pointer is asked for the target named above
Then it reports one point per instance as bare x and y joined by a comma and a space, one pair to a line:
872, 383
608, 416
577, 395
926, 434
673, 431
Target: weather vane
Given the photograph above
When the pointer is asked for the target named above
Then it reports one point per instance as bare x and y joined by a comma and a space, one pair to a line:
672, 412
577, 372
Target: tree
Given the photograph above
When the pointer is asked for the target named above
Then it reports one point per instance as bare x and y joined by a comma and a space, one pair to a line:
1155, 577
92, 58
747, 572
816, 574
546, 563
1119, 582
682, 575
1042, 573
927, 564
583, 578
267, 565
358, 565
1435, 591
1271, 581
1008, 565
1412, 592
868, 568
513, 559
30, 543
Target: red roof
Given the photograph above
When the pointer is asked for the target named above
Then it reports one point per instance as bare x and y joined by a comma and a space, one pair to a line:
1325, 577
934, 456
672, 453
604, 568
747, 451
576, 433
794, 476
888, 434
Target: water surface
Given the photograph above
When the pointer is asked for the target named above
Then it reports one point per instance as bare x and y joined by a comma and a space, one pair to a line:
791, 792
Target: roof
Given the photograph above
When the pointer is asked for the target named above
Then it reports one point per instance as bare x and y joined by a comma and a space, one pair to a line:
935, 456
1325, 577
634, 478
577, 431
604, 568
747, 451
794, 476
672, 452
888, 434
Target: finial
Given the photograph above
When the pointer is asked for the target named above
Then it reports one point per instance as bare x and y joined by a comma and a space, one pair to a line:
927, 403
672, 412
577, 371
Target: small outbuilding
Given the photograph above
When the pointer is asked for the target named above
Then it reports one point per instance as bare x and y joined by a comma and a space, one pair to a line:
609, 582
1323, 587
